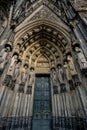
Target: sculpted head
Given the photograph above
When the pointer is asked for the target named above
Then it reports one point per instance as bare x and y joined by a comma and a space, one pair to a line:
69, 57
26, 66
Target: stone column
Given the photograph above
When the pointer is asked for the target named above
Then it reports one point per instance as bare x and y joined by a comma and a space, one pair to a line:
2, 92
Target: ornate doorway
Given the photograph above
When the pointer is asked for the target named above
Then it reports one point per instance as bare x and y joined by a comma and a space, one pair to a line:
42, 103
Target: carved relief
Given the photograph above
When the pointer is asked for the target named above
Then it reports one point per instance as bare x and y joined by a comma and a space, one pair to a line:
44, 14
42, 62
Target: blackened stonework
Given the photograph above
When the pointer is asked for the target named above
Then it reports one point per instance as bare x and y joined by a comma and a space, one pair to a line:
55, 89
43, 65
8, 81
70, 123
29, 90
63, 88
21, 88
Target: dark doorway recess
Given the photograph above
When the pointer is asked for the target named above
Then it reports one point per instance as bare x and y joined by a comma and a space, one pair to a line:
42, 103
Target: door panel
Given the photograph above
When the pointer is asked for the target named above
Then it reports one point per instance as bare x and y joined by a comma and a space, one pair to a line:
42, 104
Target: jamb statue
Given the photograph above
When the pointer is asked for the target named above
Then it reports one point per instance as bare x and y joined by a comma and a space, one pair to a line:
3, 58
68, 75
31, 81
61, 78
81, 60
23, 78
16, 74
73, 70
54, 80
10, 72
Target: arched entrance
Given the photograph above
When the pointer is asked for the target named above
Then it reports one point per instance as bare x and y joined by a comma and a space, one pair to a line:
43, 46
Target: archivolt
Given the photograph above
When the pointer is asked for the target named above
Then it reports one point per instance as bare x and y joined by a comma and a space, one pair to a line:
49, 37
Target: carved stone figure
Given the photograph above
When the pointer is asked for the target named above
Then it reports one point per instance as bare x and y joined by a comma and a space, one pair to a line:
68, 75
67, 72
10, 72
71, 65
26, 7
17, 70
23, 78
24, 73
31, 81
54, 77
3, 58
16, 74
73, 70
12, 65
54, 81
3, 22
31, 78
60, 73
81, 59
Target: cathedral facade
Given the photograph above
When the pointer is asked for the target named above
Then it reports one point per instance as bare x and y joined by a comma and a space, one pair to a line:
43, 65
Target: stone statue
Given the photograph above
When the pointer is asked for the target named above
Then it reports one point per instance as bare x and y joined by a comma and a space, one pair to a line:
54, 77
67, 71
31, 78
10, 72
3, 58
71, 65
12, 65
24, 75
3, 22
27, 5
16, 74
31, 81
73, 70
17, 70
23, 78
54, 81
81, 59
60, 73
68, 75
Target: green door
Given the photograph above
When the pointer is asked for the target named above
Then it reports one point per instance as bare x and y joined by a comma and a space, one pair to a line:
42, 104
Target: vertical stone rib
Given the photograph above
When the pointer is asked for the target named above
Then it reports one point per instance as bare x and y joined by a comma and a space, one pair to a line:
6, 105
2, 92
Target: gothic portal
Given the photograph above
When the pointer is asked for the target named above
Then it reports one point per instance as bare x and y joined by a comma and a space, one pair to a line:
43, 65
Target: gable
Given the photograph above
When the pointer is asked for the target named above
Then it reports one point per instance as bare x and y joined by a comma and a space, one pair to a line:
43, 13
